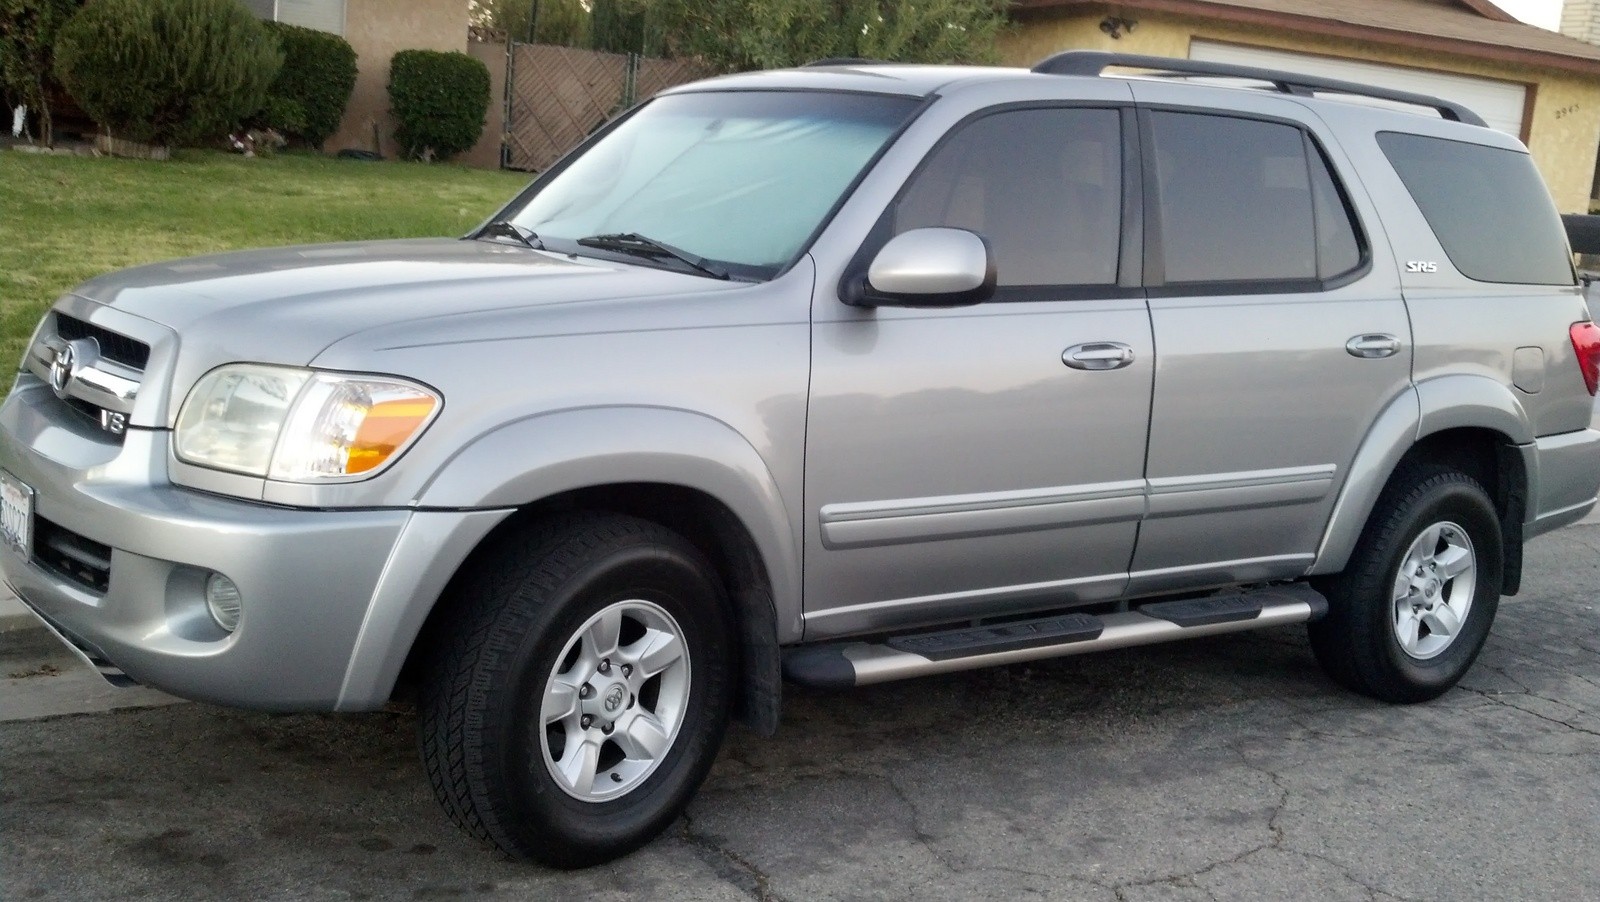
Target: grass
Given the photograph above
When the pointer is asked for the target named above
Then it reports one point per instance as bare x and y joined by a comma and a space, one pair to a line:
66, 219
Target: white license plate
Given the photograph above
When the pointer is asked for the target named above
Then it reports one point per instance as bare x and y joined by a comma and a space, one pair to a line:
16, 514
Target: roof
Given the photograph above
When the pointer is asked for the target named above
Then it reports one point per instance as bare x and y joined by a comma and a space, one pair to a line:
1472, 28
883, 78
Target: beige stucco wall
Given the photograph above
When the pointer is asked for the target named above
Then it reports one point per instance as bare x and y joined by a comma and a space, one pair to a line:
1563, 135
486, 153
378, 29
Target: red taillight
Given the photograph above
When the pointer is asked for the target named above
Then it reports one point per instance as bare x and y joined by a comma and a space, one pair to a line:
1586, 342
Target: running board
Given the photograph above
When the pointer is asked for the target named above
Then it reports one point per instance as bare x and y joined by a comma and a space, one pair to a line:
846, 664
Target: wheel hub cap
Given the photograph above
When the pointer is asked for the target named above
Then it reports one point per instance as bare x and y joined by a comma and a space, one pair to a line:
614, 701
1433, 590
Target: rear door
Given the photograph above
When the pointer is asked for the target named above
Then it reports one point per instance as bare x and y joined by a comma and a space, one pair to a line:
1280, 328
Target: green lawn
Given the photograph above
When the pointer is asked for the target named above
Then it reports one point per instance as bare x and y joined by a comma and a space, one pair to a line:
65, 219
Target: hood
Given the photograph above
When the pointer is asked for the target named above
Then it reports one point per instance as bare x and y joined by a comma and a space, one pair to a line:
286, 304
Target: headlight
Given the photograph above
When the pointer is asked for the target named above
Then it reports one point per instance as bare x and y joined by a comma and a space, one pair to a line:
300, 425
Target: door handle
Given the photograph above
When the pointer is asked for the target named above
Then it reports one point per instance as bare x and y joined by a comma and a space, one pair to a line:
1372, 345
1098, 355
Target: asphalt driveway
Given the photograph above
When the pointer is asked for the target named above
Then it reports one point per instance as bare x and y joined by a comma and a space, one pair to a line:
1217, 769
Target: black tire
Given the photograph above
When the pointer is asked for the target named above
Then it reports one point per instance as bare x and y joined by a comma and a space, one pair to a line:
525, 611
1362, 642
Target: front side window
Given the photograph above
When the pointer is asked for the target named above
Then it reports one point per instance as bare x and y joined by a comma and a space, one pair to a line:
1487, 206
1241, 200
742, 179
1044, 186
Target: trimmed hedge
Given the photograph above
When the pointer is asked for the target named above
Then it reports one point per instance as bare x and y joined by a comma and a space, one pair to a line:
167, 72
307, 99
439, 100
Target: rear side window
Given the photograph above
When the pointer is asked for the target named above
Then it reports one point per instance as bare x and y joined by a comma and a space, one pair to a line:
1043, 185
1487, 206
1241, 200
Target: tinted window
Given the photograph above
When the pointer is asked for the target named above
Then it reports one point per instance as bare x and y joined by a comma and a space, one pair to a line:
1044, 186
1487, 206
1339, 245
1236, 200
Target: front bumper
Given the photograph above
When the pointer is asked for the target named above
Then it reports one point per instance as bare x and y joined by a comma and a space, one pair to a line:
315, 597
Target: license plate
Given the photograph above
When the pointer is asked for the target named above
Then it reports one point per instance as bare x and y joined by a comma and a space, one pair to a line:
16, 514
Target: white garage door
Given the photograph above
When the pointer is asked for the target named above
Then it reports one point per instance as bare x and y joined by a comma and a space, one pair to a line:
1500, 103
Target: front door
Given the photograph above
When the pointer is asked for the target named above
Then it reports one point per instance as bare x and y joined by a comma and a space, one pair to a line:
965, 460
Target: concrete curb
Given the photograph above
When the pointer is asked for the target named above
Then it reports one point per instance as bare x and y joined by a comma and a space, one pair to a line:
13, 616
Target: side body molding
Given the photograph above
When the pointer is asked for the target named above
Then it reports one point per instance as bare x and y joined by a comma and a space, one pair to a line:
1431, 406
550, 453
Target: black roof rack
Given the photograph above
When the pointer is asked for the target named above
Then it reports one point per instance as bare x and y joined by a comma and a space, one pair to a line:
1093, 62
845, 61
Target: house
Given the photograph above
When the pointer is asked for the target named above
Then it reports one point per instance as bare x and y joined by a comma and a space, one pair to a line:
1542, 86
377, 30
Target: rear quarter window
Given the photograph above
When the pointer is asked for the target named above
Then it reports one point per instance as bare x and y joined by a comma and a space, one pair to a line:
1487, 206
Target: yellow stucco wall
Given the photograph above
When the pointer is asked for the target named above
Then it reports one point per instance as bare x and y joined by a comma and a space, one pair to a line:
486, 154
1563, 135
378, 29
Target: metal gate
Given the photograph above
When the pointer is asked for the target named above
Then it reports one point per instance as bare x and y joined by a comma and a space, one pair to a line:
557, 96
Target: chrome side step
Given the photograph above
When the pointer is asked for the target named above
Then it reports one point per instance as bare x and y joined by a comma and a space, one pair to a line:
847, 664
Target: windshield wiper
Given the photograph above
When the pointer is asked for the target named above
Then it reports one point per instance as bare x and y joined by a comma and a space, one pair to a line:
511, 230
641, 246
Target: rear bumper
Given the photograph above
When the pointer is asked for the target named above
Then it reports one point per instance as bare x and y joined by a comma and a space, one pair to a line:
1568, 468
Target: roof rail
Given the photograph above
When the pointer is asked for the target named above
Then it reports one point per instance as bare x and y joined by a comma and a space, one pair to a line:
845, 61
1093, 62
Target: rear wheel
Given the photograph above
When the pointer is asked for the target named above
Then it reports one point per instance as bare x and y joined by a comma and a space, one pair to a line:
1413, 607
582, 690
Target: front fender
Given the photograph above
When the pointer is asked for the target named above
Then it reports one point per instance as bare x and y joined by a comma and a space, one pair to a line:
560, 451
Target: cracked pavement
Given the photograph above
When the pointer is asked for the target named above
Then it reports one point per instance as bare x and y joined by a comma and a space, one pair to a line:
1225, 768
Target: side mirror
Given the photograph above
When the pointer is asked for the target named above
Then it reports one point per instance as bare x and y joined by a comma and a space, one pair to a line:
935, 267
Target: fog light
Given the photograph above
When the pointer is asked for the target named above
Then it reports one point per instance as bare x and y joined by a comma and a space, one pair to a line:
222, 600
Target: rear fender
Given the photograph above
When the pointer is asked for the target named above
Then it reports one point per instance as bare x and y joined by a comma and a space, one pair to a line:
1432, 406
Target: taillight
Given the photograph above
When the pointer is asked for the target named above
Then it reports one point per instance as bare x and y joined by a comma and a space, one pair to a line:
1586, 342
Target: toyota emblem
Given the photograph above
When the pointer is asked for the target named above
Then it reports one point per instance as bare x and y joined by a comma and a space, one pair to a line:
614, 698
62, 368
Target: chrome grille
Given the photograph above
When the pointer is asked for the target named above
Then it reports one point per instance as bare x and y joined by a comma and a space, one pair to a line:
91, 369
121, 349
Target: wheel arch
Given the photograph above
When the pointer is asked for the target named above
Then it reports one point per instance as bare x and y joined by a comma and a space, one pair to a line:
1472, 423
688, 472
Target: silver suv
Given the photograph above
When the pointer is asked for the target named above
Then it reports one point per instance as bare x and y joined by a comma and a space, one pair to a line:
844, 374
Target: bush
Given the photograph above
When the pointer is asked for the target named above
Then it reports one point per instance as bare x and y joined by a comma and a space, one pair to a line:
167, 72
318, 74
27, 54
439, 100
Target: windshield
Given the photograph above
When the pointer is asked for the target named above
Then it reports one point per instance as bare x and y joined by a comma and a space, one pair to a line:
739, 178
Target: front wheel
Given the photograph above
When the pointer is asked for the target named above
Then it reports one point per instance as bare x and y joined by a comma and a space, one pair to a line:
579, 697
1413, 607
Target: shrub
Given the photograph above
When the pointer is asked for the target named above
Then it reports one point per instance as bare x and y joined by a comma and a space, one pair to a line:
27, 58
283, 114
439, 100
318, 74
167, 71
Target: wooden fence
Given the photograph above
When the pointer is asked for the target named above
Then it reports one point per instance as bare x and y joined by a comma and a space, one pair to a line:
559, 95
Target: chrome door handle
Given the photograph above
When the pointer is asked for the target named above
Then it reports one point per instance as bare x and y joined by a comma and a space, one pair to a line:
1098, 355
1373, 344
